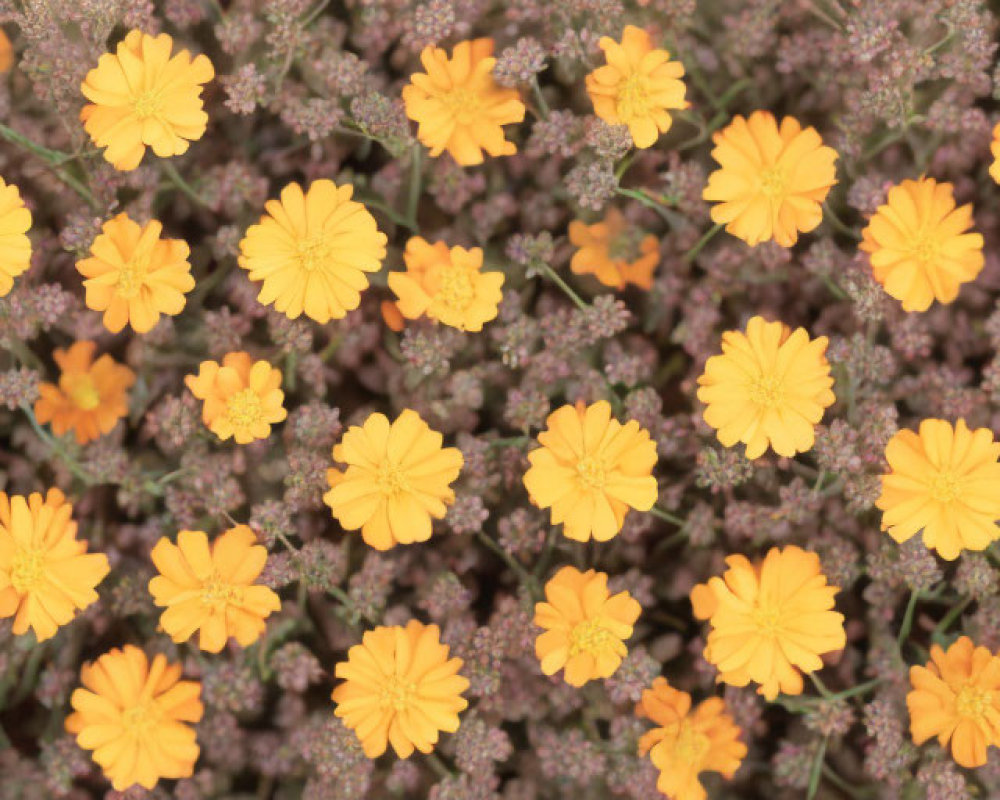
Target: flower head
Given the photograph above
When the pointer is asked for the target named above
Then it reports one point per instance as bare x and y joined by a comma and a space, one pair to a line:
398, 478
943, 480
15, 246
687, 743
590, 470
585, 626
400, 688
458, 106
770, 620
614, 252
242, 397
311, 251
637, 86
956, 698
771, 181
142, 96
995, 152
447, 285
132, 714
919, 244
6, 53
769, 387
133, 275
211, 590
46, 573
91, 396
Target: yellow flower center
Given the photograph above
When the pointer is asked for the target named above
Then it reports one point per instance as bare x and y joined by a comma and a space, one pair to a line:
773, 181
27, 570
973, 702
244, 408
314, 252
83, 392
456, 290
591, 637
216, 592
391, 480
945, 487
691, 746
397, 694
132, 276
148, 104
591, 472
139, 719
926, 248
767, 618
463, 103
766, 391
633, 97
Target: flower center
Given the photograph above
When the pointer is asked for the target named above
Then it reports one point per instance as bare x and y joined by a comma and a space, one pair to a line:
83, 392
633, 97
767, 618
926, 248
766, 391
591, 637
132, 276
244, 408
148, 104
591, 472
456, 289
691, 746
973, 702
772, 182
314, 252
27, 570
397, 694
216, 592
463, 103
139, 719
945, 487
391, 480
626, 245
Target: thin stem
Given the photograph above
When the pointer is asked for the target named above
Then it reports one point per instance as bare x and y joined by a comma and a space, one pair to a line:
23, 353
523, 575
57, 447
907, 625
692, 254
623, 166
413, 201
948, 619
820, 686
817, 769
558, 281
510, 441
55, 159
854, 691
843, 785
838, 224
438, 765
641, 197
311, 17
186, 189
536, 90
391, 213
666, 516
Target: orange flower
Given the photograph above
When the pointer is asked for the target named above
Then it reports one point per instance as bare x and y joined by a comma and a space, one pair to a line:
91, 395
6, 53
614, 252
995, 151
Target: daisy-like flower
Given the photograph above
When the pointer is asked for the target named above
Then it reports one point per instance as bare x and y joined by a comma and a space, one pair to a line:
995, 152
943, 480
141, 97
91, 396
211, 590
46, 573
771, 181
585, 626
687, 743
920, 246
769, 387
15, 246
133, 275
616, 253
398, 479
458, 106
638, 86
311, 251
400, 688
133, 715
956, 698
242, 397
771, 621
446, 284
590, 470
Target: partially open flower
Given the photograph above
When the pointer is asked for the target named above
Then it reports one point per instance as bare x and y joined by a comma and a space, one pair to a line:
615, 252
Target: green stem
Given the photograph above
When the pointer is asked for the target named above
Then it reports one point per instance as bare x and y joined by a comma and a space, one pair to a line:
177, 180
391, 213
666, 516
817, 769
438, 765
413, 201
57, 447
55, 159
536, 90
558, 281
854, 691
838, 224
948, 619
820, 686
851, 791
692, 254
23, 353
623, 166
641, 197
907, 625
526, 578
510, 441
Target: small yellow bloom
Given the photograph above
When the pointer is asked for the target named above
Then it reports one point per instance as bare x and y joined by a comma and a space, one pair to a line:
132, 714
919, 244
15, 246
133, 275
458, 106
242, 397
769, 387
956, 698
637, 86
688, 743
995, 151
6, 53
945, 481
142, 96
585, 626
398, 478
590, 470
46, 573
91, 395
211, 590
400, 688
771, 182
312, 250
614, 252
446, 285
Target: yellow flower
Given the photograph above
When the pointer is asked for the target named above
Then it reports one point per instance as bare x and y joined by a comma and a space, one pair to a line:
132, 714
15, 246
956, 698
133, 275
944, 480
458, 106
312, 251
6, 53
400, 688
771, 182
242, 397
91, 395
211, 590
447, 285
769, 387
590, 469
995, 151
688, 743
141, 96
637, 87
614, 252
46, 573
919, 246
398, 478
771, 620
585, 627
